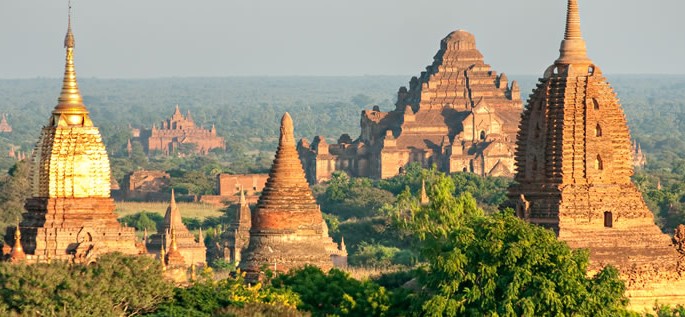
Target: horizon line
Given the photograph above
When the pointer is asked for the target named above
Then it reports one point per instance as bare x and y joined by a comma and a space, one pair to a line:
294, 76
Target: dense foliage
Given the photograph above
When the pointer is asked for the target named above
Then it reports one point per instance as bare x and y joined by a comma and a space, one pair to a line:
14, 189
115, 285
207, 297
499, 265
335, 293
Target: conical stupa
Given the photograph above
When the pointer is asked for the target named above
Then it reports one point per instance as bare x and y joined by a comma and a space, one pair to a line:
574, 166
287, 223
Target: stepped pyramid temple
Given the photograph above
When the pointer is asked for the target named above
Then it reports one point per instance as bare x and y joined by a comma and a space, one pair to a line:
574, 165
184, 249
178, 132
70, 215
458, 114
287, 229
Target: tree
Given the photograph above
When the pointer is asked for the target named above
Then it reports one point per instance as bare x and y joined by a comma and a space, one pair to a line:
500, 265
116, 285
334, 293
206, 297
14, 189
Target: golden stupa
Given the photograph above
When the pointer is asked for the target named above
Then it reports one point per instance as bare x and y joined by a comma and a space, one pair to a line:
70, 214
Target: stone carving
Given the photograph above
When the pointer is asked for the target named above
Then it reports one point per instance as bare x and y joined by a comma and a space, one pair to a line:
573, 167
458, 115
177, 131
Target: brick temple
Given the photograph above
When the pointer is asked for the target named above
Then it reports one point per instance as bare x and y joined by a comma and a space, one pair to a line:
185, 250
574, 162
287, 227
177, 134
459, 115
70, 215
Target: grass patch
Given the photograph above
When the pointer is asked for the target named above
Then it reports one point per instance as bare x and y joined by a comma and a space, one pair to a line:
188, 210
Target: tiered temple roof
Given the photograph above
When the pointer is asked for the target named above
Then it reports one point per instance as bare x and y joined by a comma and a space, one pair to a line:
459, 114
574, 164
287, 224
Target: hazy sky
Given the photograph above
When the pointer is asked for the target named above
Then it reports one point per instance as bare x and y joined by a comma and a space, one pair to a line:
163, 38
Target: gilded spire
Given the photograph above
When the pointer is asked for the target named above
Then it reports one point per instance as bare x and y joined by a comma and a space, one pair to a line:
573, 49
70, 101
17, 250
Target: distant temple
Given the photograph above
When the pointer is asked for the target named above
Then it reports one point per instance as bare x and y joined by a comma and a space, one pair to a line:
287, 227
574, 165
4, 126
639, 158
181, 248
70, 215
145, 185
177, 134
458, 115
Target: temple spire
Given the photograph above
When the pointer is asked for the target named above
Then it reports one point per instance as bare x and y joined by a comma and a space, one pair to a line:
573, 49
243, 202
424, 197
17, 250
201, 237
70, 101
172, 218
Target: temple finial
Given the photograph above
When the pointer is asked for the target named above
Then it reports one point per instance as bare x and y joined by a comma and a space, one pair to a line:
573, 49
573, 21
424, 197
287, 130
70, 101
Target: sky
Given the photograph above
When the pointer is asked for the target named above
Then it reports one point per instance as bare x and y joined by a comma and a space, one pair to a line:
217, 38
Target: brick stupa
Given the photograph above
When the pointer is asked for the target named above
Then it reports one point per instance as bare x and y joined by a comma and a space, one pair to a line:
191, 251
574, 165
287, 230
459, 115
70, 215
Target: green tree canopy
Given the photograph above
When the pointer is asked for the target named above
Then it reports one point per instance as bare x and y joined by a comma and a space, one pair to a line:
499, 265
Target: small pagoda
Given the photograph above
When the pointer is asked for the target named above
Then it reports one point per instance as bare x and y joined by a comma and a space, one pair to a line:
184, 245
